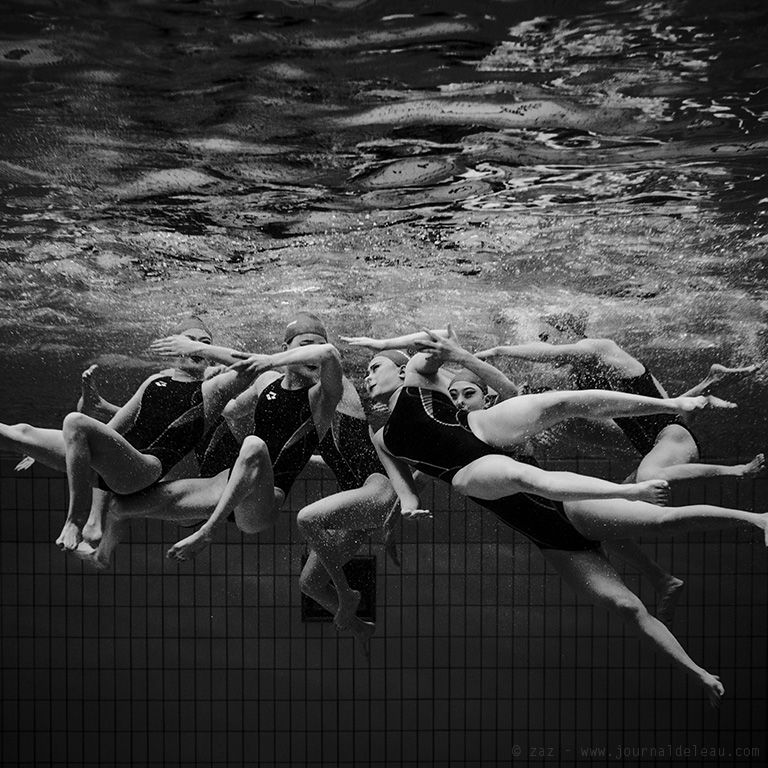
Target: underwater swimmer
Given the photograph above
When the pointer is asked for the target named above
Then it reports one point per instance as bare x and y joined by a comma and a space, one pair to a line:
253, 453
422, 433
151, 433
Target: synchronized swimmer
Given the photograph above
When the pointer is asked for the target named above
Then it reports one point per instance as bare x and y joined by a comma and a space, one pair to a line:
253, 421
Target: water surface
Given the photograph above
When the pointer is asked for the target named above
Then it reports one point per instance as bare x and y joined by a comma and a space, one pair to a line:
389, 165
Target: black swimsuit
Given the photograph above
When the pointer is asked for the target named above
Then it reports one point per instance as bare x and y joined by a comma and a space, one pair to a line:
170, 421
426, 431
283, 420
641, 431
348, 451
169, 424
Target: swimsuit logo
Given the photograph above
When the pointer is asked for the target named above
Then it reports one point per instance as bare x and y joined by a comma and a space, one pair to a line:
162, 383
271, 396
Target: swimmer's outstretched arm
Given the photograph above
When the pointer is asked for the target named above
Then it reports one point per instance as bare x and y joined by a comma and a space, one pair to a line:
254, 365
543, 352
182, 346
396, 342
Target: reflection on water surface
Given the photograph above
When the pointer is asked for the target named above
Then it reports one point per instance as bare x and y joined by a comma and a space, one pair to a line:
391, 168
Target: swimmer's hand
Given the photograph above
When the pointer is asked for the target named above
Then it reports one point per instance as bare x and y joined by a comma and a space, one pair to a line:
444, 347
253, 365
415, 514
214, 370
364, 341
25, 463
176, 346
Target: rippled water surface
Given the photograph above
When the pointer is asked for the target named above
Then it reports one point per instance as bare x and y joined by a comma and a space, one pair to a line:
388, 164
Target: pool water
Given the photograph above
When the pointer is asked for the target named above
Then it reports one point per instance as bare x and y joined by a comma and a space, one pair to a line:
388, 165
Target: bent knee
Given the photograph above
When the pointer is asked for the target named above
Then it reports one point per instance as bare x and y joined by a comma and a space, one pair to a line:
306, 517
254, 449
231, 410
381, 486
628, 607
74, 422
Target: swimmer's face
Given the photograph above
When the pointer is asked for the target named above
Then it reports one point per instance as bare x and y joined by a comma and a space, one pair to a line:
308, 371
552, 335
384, 377
467, 396
194, 363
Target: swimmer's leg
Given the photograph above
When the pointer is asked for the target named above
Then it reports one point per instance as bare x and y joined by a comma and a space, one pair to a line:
91, 446
354, 510
315, 581
718, 373
604, 520
43, 445
675, 457
595, 579
91, 403
496, 476
182, 501
669, 588
250, 492
519, 418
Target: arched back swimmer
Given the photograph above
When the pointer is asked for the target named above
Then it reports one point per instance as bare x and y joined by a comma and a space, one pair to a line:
424, 432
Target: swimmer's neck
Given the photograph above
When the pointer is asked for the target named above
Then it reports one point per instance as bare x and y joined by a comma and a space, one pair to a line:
294, 380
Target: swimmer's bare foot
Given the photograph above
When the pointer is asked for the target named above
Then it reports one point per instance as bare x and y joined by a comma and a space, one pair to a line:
754, 467
70, 536
700, 402
669, 596
89, 394
90, 556
187, 548
92, 531
761, 521
653, 491
363, 632
719, 372
348, 604
91, 403
714, 688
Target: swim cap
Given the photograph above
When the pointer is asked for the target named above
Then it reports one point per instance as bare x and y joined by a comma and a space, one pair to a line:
305, 322
397, 356
191, 321
472, 378
567, 321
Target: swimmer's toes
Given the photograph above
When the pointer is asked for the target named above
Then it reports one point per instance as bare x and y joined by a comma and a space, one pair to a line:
175, 553
69, 537
716, 402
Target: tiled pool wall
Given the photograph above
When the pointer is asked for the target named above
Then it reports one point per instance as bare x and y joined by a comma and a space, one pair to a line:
481, 656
